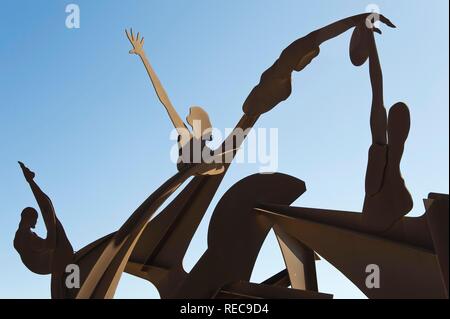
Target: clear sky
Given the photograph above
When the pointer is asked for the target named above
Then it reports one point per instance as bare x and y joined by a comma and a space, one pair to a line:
79, 110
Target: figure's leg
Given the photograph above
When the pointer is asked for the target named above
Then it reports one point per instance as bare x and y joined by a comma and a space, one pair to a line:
393, 200
63, 255
399, 123
398, 130
103, 277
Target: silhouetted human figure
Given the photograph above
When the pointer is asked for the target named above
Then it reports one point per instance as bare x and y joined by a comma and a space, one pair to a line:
191, 144
387, 199
43, 256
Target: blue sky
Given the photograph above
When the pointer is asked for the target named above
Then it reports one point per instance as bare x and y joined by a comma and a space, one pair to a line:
79, 110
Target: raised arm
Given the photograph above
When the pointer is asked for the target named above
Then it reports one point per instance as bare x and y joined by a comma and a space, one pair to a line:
45, 205
307, 47
138, 49
275, 83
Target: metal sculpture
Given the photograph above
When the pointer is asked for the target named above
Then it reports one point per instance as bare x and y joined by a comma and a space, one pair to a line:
153, 248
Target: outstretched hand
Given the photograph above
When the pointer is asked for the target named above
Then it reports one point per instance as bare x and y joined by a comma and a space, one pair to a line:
372, 18
135, 42
362, 41
29, 175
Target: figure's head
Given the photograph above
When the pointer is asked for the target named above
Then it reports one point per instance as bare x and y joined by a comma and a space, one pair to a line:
307, 58
29, 218
198, 119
